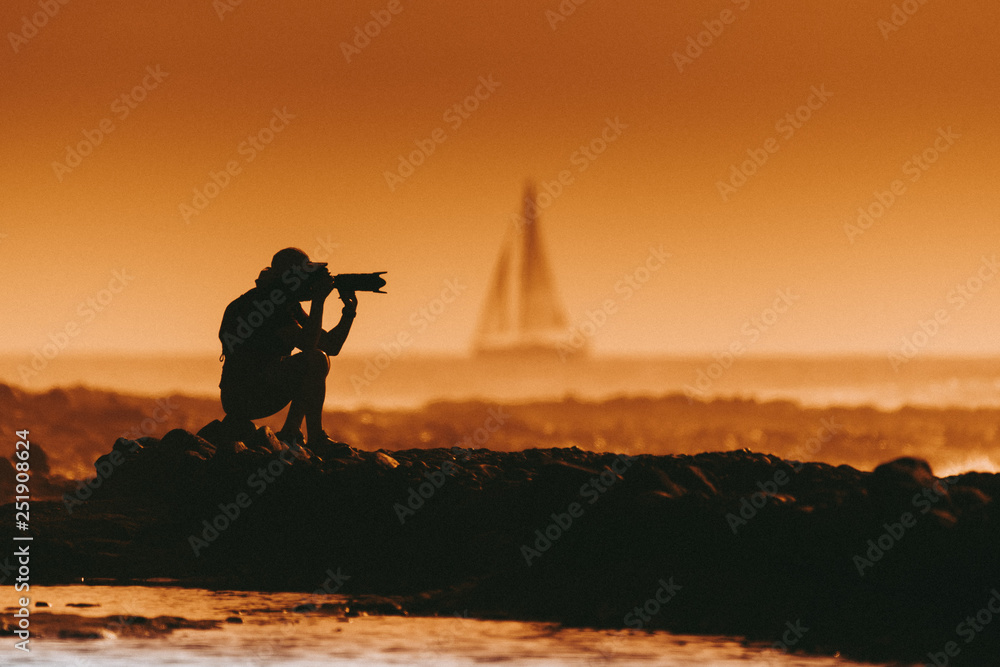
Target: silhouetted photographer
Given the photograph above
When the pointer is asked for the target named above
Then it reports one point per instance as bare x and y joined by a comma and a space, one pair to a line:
260, 332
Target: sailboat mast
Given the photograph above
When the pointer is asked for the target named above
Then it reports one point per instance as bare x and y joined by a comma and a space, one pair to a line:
529, 252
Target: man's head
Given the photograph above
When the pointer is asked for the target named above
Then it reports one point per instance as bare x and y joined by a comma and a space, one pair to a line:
293, 270
288, 259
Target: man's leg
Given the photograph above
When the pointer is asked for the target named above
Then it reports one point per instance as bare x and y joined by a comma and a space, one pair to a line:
306, 373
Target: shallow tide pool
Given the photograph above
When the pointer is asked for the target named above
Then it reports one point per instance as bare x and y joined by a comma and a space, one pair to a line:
272, 633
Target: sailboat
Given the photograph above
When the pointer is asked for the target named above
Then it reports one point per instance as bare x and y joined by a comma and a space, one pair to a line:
522, 315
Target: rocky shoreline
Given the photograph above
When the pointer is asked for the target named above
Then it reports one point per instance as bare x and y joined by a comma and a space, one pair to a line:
890, 565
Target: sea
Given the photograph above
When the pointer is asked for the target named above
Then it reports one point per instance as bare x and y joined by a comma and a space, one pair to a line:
269, 631
381, 381
272, 633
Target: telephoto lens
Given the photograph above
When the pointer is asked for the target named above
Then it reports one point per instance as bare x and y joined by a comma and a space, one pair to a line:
360, 282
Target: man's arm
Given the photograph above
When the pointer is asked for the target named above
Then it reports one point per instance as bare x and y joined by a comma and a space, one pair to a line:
313, 329
307, 335
332, 341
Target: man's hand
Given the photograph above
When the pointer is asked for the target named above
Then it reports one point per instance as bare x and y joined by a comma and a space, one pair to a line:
350, 300
324, 285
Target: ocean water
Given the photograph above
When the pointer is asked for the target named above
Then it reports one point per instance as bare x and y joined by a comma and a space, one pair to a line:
380, 381
273, 634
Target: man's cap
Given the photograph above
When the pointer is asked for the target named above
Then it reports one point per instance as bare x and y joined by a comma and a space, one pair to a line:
287, 258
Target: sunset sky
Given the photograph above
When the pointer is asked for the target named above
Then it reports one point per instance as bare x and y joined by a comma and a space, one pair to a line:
211, 76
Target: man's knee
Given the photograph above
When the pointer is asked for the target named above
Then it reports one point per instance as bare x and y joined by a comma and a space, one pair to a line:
317, 361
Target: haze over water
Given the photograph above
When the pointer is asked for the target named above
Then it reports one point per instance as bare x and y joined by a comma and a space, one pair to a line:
412, 381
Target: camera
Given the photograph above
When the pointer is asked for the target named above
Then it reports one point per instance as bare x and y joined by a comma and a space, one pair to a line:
360, 282
319, 282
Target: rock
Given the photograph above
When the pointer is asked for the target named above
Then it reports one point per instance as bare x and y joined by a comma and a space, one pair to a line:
224, 433
216, 433
6, 481
39, 460
130, 448
905, 472
80, 633
386, 461
374, 605
41, 604
9, 397
234, 448
694, 479
179, 441
498, 538
334, 450
264, 440
236, 620
900, 479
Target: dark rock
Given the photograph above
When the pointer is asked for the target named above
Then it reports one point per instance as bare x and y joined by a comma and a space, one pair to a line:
334, 451
386, 461
463, 546
234, 448
129, 448
264, 440
179, 442
227, 431
906, 472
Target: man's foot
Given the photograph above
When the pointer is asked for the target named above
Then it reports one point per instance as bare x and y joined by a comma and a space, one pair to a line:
325, 448
295, 441
291, 438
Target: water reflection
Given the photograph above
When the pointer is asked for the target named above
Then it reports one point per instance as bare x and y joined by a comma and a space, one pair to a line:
264, 630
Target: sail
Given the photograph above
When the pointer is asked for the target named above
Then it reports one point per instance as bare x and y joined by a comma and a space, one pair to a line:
522, 312
497, 321
540, 311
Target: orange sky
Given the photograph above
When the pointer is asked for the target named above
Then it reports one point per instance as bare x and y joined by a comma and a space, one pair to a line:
322, 179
